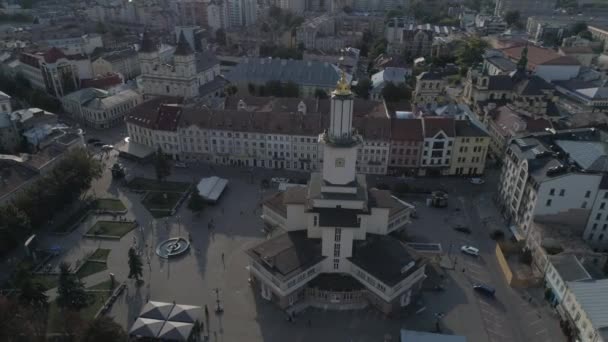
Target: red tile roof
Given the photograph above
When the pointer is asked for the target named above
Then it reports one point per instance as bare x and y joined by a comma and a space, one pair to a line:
407, 130
161, 113
538, 56
53, 54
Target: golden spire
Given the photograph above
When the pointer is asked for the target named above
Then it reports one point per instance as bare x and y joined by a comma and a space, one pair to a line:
342, 87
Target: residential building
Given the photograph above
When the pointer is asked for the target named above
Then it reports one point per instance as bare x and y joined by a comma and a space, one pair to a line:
439, 135
404, 38
217, 15
600, 33
242, 12
51, 71
555, 25
495, 63
488, 24
557, 174
85, 44
319, 33
395, 76
379, 6
471, 145
100, 108
430, 87
307, 75
591, 96
123, 62
524, 7
182, 74
9, 133
294, 6
336, 231
191, 12
585, 308
559, 270
583, 54
407, 136
544, 62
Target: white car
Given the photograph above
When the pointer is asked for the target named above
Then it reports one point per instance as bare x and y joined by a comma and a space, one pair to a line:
279, 180
107, 147
477, 181
470, 250
181, 165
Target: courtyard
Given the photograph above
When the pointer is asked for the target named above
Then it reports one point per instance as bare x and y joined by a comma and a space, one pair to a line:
216, 261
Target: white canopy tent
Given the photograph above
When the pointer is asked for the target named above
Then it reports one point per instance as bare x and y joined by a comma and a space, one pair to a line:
211, 188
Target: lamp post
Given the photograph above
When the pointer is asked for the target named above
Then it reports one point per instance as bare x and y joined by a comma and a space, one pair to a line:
218, 307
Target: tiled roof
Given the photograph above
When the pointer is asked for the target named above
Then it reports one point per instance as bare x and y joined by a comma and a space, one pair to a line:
262, 70
466, 128
539, 56
52, 55
205, 60
434, 125
161, 113
407, 130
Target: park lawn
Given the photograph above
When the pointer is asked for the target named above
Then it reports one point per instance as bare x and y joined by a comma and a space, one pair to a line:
104, 285
109, 204
111, 228
100, 254
91, 267
55, 319
157, 200
70, 223
146, 184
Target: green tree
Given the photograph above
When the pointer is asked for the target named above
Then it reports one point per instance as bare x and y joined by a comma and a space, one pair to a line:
14, 223
290, 89
321, 94
471, 52
251, 88
135, 265
363, 88
70, 291
578, 27
393, 93
33, 293
512, 17
103, 329
196, 202
162, 166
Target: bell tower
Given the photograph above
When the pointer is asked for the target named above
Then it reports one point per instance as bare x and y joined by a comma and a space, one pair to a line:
340, 142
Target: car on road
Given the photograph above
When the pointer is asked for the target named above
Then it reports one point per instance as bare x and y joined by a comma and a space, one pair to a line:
484, 289
181, 165
462, 229
107, 147
279, 180
470, 250
92, 140
477, 181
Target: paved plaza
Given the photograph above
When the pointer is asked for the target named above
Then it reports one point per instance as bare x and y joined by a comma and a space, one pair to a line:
217, 261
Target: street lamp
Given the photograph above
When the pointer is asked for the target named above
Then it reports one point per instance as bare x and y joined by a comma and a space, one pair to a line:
218, 307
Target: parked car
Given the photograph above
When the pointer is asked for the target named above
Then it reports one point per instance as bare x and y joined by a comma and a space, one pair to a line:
92, 140
477, 181
462, 229
181, 165
279, 180
484, 289
470, 250
107, 147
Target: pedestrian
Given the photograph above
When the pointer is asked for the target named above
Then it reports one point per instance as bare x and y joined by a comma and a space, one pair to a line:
463, 270
206, 312
223, 263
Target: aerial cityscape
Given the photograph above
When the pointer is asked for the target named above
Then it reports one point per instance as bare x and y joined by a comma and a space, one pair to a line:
304, 170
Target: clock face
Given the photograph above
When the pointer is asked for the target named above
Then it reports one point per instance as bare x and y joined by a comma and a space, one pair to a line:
339, 162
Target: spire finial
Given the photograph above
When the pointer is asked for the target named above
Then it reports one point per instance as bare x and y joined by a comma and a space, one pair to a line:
342, 87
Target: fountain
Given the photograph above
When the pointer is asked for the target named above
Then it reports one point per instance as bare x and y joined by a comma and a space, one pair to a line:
172, 247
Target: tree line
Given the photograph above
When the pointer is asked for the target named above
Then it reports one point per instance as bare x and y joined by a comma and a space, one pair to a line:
21, 88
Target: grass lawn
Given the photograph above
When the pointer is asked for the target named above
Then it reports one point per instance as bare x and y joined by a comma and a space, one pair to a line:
105, 285
91, 267
100, 254
111, 228
49, 281
56, 323
70, 222
157, 200
154, 185
109, 204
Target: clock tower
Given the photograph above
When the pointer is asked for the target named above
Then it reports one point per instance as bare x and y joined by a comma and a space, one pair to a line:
340, 142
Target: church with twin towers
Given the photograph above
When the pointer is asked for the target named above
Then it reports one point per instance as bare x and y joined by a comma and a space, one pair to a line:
334, 250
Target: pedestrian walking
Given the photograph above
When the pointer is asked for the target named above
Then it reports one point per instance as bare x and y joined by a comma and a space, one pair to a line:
223, 263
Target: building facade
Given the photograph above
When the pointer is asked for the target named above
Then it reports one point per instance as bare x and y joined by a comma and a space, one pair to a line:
124, 62
99, 108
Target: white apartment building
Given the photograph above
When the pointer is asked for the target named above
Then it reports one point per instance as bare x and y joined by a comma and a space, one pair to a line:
538, 180
439, 137
217, 15
100, 108
77, 45
124, 62
586, 309
242, 12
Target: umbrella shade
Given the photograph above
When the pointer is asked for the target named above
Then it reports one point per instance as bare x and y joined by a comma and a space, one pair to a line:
176, 331
156, 310
146, 327
185, 313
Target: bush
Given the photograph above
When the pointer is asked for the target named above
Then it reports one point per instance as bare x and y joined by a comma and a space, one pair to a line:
497, 235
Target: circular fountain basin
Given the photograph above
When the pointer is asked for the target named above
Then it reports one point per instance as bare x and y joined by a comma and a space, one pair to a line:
172, 247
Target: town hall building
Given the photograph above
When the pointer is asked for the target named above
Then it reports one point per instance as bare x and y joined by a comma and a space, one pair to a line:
335, 251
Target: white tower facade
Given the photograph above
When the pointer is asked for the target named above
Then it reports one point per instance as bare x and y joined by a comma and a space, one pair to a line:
340, 142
